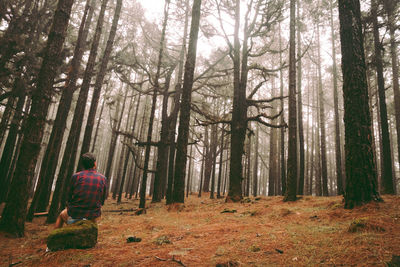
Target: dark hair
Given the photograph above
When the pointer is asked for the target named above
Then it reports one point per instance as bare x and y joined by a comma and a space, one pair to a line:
88, 160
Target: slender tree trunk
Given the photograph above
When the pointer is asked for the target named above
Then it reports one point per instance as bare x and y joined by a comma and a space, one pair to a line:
162, 153
338, 153
214, 145
282, 131
300, 187
360, 171
10, 144
390, 7
324, 170
255, 165
152, 112
113, 144
184, 118
5, 119
221, 156
290, 194
14, 213
189, 176
99, 80
70, 153
202, 170
386, 169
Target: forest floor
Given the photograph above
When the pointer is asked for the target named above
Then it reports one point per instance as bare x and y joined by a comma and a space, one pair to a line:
313, 231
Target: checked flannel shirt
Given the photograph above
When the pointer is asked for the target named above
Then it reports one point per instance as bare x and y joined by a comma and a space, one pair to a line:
87, 193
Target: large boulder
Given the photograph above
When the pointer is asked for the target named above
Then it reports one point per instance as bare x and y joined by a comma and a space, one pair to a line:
82, 234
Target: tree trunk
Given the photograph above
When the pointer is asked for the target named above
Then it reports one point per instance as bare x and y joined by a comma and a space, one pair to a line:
291, 189
113, 144
50, 160
282, 189
5, 119
10, 144
389, 6
386, 168
153, 108
221, 156
360, 171
178, 195
324, 168
239, 114
14, 213
99, 80
338, 153
69, 157
300, 187
255, 165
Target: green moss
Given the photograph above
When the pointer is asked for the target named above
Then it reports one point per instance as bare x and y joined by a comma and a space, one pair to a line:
82, 234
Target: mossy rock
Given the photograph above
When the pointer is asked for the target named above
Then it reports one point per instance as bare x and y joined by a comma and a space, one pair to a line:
82, 234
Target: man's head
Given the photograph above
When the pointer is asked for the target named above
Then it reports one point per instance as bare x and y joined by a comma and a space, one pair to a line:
88, 160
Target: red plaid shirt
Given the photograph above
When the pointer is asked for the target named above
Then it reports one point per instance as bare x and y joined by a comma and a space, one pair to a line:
86, 195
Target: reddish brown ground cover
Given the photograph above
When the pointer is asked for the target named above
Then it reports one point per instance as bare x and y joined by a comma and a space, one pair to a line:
313, 231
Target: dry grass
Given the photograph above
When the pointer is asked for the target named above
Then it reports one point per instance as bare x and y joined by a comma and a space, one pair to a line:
313, 231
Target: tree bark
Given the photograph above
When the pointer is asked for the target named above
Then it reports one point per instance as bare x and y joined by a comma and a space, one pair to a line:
360, 171
153, 108
9, 149
389, 6
324, 167
99, 80
291, 189
300, 187
69, 157
50, 160
14, 213
184, 118
386, 168
338, 153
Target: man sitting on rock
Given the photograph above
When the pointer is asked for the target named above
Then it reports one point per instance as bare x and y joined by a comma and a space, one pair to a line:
86, 194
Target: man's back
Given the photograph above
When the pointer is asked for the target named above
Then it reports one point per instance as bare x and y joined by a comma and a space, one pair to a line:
86, 195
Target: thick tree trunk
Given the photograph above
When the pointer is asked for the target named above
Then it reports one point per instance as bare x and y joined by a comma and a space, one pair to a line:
178, 195
175, 110
291, 190
14, 213
360, 171
239, 114
50, 160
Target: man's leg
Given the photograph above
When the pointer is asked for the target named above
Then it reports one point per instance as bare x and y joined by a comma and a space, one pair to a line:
63, 217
